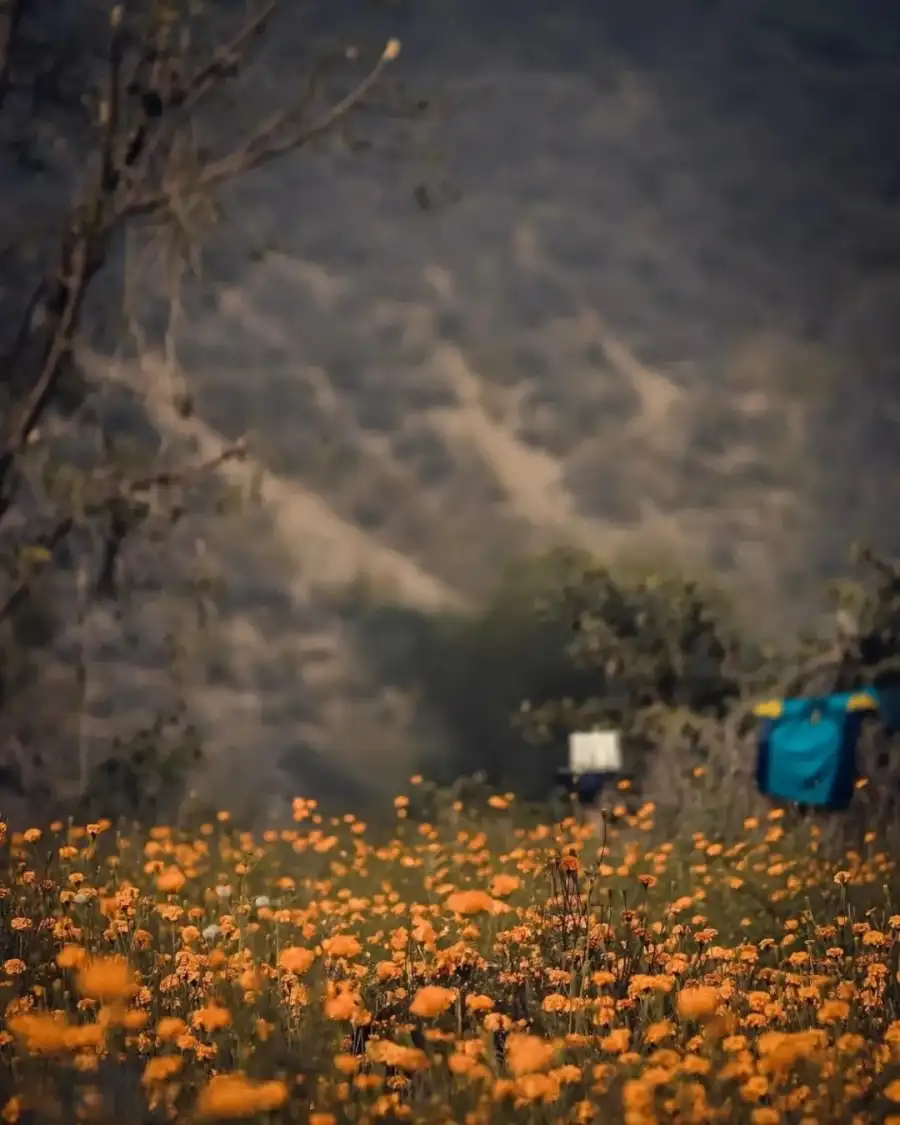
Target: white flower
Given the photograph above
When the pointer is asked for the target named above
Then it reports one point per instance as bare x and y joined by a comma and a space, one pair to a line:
211, 932
81, 898
223, 890
262, 900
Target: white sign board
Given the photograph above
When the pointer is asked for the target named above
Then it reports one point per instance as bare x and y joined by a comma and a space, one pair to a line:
596, 751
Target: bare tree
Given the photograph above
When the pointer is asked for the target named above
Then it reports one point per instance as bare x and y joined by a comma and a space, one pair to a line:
127, 96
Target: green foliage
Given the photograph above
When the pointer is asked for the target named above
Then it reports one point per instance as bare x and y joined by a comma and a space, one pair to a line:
563, 641
639, 640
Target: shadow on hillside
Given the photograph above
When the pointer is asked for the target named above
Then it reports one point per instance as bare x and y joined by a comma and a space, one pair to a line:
467, 683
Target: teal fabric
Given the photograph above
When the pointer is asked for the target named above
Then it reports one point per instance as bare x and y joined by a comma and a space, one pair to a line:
808, 753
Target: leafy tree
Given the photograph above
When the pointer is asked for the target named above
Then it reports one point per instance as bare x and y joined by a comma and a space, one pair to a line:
650, 652
565, 643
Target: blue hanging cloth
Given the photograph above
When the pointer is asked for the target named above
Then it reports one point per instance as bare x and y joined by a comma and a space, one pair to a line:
806, 750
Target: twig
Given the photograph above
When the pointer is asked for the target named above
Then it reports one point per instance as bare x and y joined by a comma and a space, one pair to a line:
66, 525
264, 146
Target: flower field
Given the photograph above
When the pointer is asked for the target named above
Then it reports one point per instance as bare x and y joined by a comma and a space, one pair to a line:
474, 968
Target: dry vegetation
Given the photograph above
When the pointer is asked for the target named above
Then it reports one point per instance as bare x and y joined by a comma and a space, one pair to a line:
474, 966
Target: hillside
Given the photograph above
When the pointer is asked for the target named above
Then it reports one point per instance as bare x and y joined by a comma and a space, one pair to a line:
654, 306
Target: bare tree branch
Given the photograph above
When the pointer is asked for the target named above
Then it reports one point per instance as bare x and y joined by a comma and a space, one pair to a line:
65, 525
144, 99
266, 144
85, 243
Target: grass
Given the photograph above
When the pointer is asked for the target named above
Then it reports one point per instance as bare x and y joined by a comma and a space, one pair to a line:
475, 968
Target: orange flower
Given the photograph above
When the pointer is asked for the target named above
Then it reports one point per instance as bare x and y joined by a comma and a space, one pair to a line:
479, 1002
211, 1018
40, 1034
526, 1054
71, 957
85, 1035
698, 1003
432, 1000
341, 945
170, 1028
395, 1054
233, 1096
347, 1064
161, 1069
833, 1011
658, 1032
295, 959
780, 1050
617, 1041
470, 902
534, 1087
343, 1006
503, 885
170, 881
106, 979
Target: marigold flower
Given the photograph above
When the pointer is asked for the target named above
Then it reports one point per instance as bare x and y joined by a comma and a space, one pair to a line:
469, 902
170, 881
698, 1003
343, 1006
40, 1033
170, 1028
478, 1002
211, 1018
617, 1041
526, 1053
233, 1096
296, 959
106, 979
658, 1032
408, 1059
347, 1064
341, 945
833, 1011
503, 884
432, 1000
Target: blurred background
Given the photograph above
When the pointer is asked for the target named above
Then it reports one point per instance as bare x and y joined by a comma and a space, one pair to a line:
628, 279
